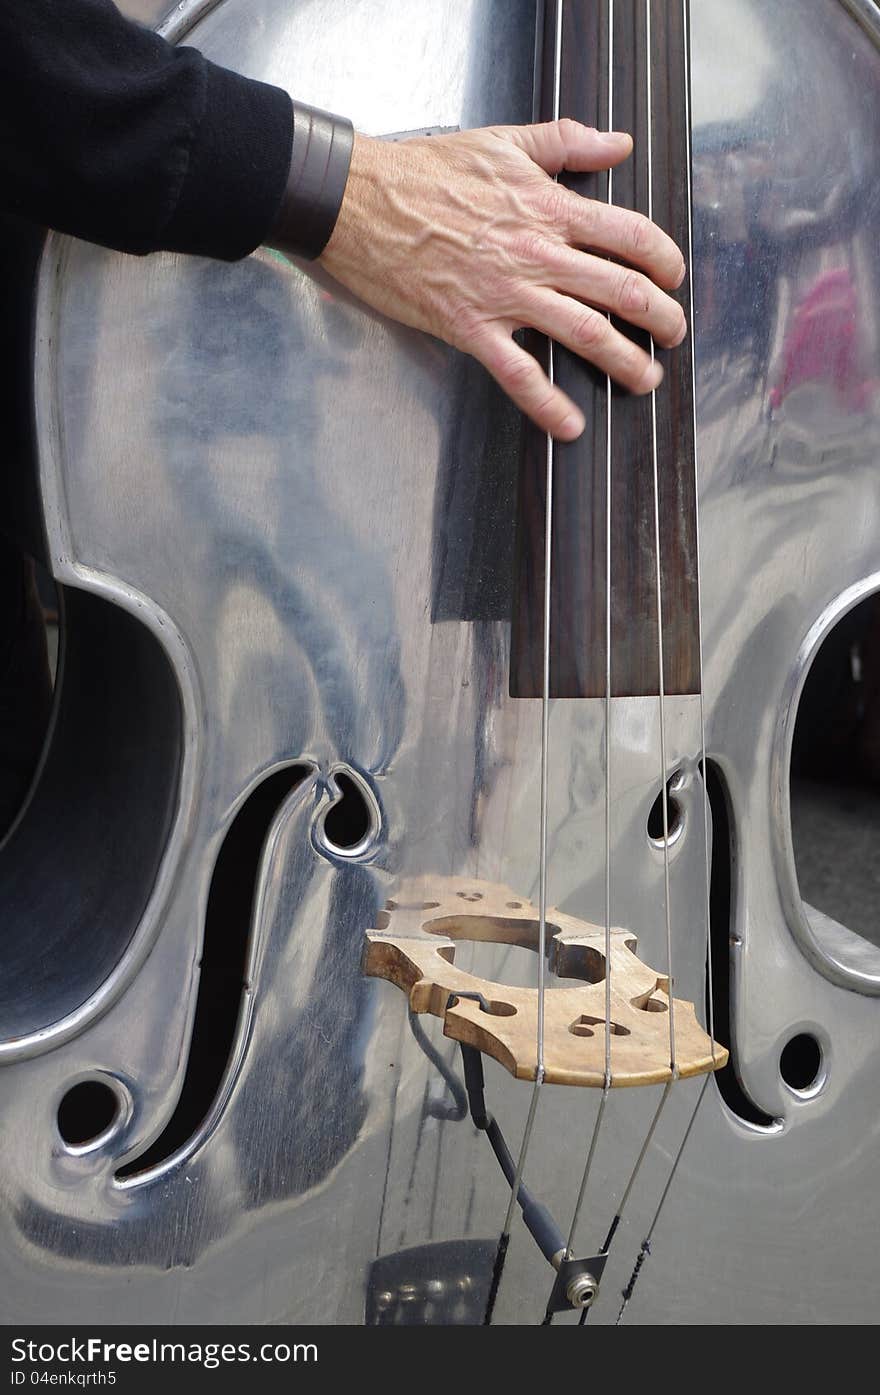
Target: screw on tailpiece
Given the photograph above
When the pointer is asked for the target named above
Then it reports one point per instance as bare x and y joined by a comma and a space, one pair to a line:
581, 1290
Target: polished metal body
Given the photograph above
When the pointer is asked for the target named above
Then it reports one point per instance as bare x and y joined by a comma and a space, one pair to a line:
289, 494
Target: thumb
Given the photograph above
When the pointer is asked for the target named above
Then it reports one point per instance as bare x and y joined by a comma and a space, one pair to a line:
568, 145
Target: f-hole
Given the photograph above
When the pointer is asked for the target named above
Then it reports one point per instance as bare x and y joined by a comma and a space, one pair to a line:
87, 1111
721, 922
348, 821
225, 952
656, 833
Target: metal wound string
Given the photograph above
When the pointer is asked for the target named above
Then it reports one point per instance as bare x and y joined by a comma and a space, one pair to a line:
655, 466
597, 1127
660, 673
686, 25
608, 439
618, 1215
542, 870
545, 744
645, 1248
661, 684
662, 695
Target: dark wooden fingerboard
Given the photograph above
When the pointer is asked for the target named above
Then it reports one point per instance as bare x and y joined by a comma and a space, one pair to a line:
580, 470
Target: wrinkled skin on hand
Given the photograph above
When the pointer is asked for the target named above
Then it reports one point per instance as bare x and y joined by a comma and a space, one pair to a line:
468, 237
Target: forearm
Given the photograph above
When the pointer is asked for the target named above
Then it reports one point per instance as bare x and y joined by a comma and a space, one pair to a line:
111, 134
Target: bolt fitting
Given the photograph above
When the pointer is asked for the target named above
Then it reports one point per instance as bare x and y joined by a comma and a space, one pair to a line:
581, 1290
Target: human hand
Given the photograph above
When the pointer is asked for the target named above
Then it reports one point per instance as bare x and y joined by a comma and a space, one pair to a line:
468, 237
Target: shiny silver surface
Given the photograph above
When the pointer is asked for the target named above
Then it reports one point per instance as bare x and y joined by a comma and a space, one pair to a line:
158, 13
282, 487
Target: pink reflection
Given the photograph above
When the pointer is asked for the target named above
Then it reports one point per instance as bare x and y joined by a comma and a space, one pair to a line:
822, 344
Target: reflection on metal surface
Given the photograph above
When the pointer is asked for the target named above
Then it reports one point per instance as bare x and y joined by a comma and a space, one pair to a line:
326, 578
170, 17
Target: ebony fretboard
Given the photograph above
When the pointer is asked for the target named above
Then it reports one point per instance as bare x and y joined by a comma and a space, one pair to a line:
578, 564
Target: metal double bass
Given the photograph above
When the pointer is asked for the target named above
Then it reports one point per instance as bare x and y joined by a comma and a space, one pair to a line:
358, 685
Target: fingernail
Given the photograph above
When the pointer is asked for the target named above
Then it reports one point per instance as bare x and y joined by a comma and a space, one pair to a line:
572, 426
613, 137
682, 274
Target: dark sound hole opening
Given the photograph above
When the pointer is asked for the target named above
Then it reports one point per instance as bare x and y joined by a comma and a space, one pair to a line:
721, 924
87, 1111
835, 783
673, 813
104, 799
801, 1061
348, 822
224, 960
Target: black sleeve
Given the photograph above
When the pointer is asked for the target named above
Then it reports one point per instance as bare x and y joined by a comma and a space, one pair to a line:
111, 134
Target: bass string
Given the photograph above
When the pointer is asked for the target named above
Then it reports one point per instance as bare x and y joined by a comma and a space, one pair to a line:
686, 26
544, 788
645, 1248
673, 1069
606, 1086
608, 1077
659, 585
545, 710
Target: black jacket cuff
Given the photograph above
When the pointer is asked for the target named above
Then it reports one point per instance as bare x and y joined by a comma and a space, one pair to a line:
238, 163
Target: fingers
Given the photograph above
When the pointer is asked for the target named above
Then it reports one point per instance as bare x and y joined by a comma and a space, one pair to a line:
583, 330
626, 293
568, 145
627, 236
524, 380
589, 333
